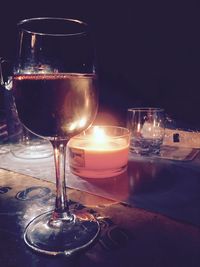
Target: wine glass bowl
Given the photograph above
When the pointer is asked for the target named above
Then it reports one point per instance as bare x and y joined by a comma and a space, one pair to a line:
67, 103
56, 95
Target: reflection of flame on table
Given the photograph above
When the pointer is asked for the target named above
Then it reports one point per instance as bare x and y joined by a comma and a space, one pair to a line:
141, 173
148, 176
108, 191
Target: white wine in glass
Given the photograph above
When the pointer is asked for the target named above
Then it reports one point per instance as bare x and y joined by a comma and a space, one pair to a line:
55, 89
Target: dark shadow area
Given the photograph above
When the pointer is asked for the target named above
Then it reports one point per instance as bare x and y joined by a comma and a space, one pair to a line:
148, 52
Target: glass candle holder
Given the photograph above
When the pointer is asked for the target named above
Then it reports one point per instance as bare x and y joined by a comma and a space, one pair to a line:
99, 152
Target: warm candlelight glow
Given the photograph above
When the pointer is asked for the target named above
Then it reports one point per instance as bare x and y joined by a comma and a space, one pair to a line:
77, 124
100, 152
99, 136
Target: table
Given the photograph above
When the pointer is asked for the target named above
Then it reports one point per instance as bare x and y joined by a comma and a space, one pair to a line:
130, 235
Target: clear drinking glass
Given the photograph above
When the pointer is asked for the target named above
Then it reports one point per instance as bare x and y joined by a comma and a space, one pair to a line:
29, 146
3, 122
20, 142
147, 128
4, 148
55, 88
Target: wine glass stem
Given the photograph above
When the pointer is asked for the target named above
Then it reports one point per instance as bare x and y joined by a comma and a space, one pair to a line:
61, 204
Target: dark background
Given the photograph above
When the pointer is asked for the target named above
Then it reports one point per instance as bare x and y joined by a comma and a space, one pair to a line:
148, 51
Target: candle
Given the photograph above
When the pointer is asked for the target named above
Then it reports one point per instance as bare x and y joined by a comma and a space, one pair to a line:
100, 152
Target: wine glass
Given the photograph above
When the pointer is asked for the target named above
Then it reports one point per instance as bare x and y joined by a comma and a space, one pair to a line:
55, 88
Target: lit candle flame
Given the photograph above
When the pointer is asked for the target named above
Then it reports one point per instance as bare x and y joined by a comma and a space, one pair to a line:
99, 135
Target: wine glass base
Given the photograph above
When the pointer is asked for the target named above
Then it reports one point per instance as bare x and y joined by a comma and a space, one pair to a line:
63, 238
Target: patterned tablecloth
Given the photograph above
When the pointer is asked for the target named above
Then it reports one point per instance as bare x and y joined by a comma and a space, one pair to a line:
129, 236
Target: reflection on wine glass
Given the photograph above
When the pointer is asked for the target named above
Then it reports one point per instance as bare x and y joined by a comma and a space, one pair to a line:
55, 88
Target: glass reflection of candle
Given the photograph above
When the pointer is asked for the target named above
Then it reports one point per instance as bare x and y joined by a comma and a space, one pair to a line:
152, 130
100, 152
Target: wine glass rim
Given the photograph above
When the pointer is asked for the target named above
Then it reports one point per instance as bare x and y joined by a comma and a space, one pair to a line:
22, 25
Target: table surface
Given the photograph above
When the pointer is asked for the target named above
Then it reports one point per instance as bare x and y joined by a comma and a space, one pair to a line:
129, 236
